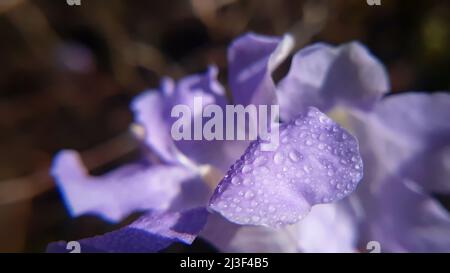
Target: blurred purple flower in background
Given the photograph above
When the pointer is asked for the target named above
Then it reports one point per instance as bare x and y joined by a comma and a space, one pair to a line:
262, 202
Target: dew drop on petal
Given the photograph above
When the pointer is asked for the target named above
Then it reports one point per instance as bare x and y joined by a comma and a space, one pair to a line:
249, 194
278, 158
259, 161
235, 180
246, 169
294, 156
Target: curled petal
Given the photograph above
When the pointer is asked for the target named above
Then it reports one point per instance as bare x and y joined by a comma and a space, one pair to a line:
317, 161
153, 110
252, 58
115, 195
323, 76
152, 232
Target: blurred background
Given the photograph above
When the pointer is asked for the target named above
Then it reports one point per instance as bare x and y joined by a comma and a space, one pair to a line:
68, 73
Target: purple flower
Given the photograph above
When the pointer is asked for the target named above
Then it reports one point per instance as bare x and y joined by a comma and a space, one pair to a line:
405, 145
258, 204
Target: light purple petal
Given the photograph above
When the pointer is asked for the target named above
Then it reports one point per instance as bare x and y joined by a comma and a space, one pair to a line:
420, 125
324, 76
150, 233
316, 162
153, 110
252, 58
404, 219
329, 228
135, 187
233, 238
398, 211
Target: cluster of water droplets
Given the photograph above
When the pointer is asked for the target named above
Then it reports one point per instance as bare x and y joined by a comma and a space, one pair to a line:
317, 161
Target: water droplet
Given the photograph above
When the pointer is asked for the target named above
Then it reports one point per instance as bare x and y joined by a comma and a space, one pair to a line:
247, 181
246, 169
294, 156
259, 161
235, 180
249, 194
303, 135
307, 169
322, 137
278, 158
264, 170
323, 119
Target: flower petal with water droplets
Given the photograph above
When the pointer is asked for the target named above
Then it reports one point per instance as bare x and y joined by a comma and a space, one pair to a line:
319, 163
